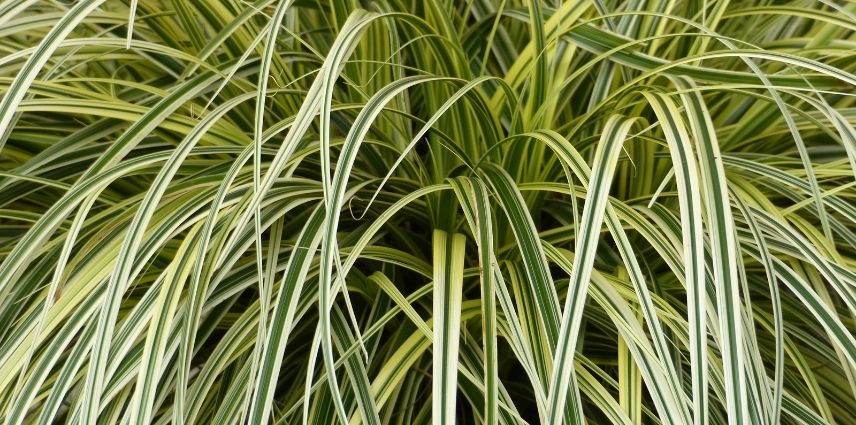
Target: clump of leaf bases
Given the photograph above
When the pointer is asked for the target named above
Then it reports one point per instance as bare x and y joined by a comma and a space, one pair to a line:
403, 212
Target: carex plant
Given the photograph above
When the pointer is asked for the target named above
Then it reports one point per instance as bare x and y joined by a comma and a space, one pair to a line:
403, 212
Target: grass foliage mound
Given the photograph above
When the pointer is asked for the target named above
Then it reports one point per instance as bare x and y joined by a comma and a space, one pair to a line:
409, 212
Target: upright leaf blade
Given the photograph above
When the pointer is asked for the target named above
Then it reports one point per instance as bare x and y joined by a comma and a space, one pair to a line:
448, 287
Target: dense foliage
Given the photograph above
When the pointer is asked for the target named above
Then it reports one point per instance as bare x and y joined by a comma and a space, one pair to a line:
399, 212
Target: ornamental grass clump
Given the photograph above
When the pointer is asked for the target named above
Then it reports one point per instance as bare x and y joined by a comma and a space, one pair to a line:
408, 212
